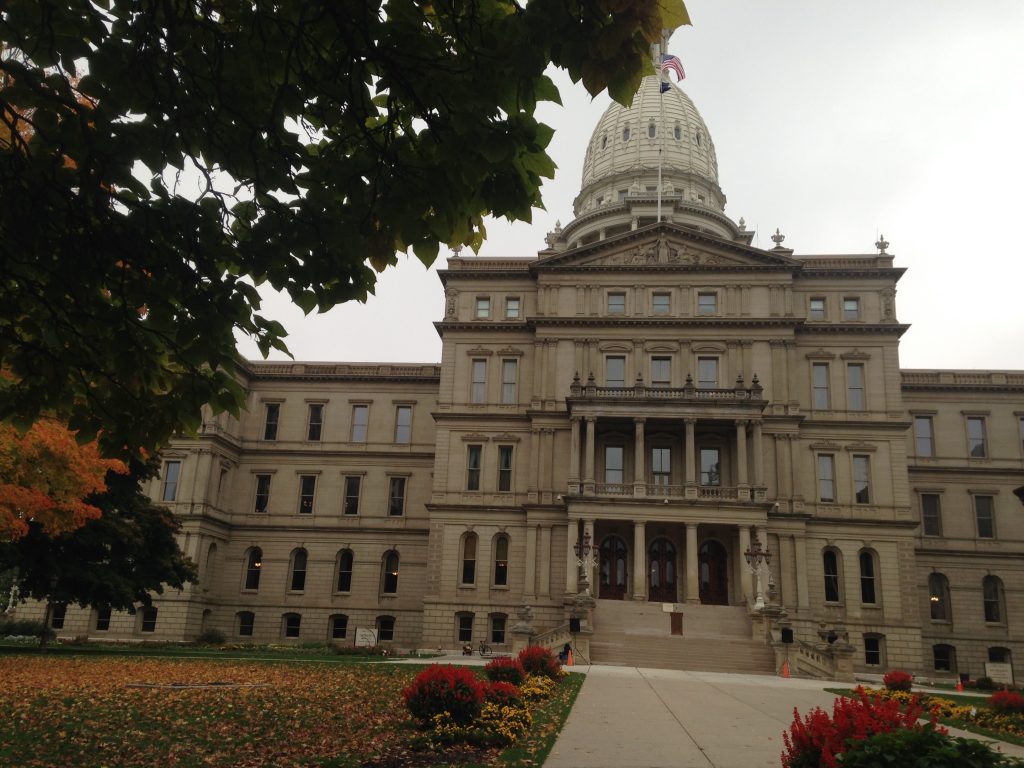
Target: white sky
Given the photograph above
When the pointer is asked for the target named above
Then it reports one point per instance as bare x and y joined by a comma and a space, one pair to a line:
833, 121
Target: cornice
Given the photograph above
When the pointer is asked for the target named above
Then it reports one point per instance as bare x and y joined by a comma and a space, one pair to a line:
859, 328
299, 371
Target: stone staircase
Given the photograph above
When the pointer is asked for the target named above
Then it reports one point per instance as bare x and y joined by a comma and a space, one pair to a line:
715, 638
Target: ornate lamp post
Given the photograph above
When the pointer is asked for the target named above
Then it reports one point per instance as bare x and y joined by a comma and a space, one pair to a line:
584, 550
756, 557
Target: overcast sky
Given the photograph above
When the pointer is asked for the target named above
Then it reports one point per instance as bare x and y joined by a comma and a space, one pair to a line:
832, 121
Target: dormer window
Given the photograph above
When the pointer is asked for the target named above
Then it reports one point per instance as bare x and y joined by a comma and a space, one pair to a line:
677, 132
652, 130
625, 133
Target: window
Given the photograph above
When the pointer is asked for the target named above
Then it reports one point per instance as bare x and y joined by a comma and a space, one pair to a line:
504, 467
351, 502
944, 658
992, 595
826, 477
707, 372
661, 371
403, 424
473, 454
984, 515
924, 440
867, 578
830, 564
697, 137
253, 566
816, 309
307, 492
483, 308
707, 303
314, 428
931, 514
501, 561
976, 437
298, 579
652, 130
616, 303
512, 308
677, 132
390, 572
604, 141
246, 623
385, 628
58, 613
339, 627
613, 463
625, 133
998, 655
396, 496
498, 622
615, 371
262, 492
478, 388
271, 415
661, 303
710, 467
172, 471
360, 421
873, 650
345, 560
819, 385
102, 619
855, 387
469, 559
661, 466
862, 479
149, 619
509, 374
851, 308
292, 623
622, 194
464, 625
938, 597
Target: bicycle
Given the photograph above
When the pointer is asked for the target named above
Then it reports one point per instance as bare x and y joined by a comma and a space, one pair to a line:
485, 650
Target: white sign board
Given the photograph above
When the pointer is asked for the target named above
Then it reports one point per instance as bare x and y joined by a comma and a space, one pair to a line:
365, 637
999, 672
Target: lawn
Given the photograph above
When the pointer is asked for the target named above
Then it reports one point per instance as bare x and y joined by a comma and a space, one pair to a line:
121, 711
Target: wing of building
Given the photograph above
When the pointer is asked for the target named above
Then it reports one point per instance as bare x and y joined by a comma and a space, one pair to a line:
627, 417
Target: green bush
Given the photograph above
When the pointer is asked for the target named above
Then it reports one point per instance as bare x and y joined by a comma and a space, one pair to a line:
24, 628
924, 748
985, 684
211, 637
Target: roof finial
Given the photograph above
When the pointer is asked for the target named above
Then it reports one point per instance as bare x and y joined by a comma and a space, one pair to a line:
778, 238
881, 244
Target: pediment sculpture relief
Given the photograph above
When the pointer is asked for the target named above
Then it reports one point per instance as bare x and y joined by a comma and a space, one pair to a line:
660, 252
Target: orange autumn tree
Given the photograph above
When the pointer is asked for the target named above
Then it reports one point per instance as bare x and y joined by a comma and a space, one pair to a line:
45, 477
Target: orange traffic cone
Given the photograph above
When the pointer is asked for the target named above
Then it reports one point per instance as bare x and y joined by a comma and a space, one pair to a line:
959, 685
785, 669
568, 661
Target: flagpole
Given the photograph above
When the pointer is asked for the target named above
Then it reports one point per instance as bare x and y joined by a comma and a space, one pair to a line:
661, 126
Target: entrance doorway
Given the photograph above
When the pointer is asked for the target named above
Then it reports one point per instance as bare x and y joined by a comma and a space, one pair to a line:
714, 573
613, 569
661, 570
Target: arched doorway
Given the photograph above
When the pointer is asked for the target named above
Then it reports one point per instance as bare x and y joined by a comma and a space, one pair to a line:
714, 573
661, 571
613, 569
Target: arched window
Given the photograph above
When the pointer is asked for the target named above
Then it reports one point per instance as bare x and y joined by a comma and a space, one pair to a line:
246, 623
339, 626
604, 141
209, 574
253, 566
944, 658
385, 628
290, 624
297, 583
625, 133
469, 558
868, 593
345, 561
999, 655
390, 572
501, 560
995, 602
677, 132
938, 596
697, 138
652, 130
830, 562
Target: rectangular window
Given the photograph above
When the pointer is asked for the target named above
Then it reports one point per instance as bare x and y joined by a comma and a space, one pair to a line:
102, 619
360, 422
271, 415
478, 385
403, 424
661, 466
512, 308
931, 514
826, 477
851, 308
710, 467
292, 624
819, 383
661, 303
172, 471
984, 514
509, 374
613, 463
862, 479
872, 651
615, 371
924, 439
339, 627
465, 627
351, 503
616, 303
816, 310
661, 371
396, 497
246, 623
707, 303
314, 428
473, 454
498, 630
307, 491
942, 658
855, 387
385, 628
707, 372
149, 619
976, 447
57, 615
483, 308
504, 467
262, 493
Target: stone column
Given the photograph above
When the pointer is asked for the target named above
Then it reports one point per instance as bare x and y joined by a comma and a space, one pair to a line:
588, 530
692, 575
639, 468
574, 456
639, 561
744, 570
530, 589
689, 453
588, 472
803, 599
787, 555
545, 561
784, 489
741, 456
758, 454
571, 569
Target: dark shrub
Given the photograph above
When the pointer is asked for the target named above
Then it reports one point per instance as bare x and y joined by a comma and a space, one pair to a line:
919, 748
505, 669
985, 684
539, 661
211, 637
898, 680
449, 689
503, 694
24, 628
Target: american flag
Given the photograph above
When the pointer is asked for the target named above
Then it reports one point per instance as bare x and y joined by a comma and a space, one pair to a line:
672, 63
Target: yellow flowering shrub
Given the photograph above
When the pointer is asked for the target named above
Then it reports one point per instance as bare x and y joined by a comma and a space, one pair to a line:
536, 688
505, 724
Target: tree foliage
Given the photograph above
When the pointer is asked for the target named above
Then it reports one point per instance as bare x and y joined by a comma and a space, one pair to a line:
179, 154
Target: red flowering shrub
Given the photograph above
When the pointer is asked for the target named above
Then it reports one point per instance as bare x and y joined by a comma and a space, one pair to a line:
505, 669
817, 739
503, 694
898, 680
1006, 702
449, 689
539, 661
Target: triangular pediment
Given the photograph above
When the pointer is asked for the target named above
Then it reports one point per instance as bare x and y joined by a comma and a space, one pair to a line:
665, 246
